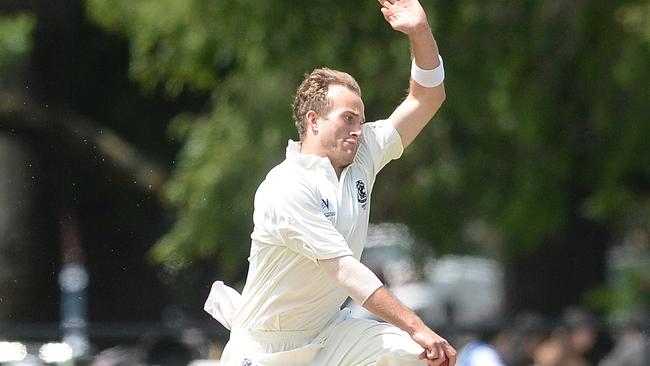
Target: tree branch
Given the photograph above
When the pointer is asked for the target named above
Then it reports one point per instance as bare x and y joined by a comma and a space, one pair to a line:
18, 113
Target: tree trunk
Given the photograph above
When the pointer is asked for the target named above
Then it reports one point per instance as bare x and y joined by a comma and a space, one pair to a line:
28, 248
559, 271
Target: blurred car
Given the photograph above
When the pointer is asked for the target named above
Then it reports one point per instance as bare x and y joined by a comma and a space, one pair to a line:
451, 290
392, 254
472, 288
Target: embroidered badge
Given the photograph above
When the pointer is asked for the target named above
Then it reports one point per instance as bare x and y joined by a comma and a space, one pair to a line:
327, 209
247, 362
362, 196
325, 203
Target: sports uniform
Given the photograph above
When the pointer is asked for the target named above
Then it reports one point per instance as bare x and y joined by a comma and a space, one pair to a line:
290, 308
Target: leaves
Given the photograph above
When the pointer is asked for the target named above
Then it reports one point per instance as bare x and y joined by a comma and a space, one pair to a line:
546, 116
15, 39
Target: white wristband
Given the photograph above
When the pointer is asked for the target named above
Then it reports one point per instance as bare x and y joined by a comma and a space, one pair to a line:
428, 78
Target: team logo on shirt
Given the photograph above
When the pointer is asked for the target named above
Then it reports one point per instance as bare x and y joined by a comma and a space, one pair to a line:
362, 195
325, 205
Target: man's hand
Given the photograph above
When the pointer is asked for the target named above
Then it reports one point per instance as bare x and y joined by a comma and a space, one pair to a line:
437, 351
421, 104
406, 16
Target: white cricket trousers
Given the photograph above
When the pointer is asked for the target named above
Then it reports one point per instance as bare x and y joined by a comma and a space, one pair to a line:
345, 342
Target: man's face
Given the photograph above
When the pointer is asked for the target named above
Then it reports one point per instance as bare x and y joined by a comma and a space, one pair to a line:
339, 132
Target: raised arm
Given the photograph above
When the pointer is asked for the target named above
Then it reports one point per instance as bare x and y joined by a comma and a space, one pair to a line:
421, 103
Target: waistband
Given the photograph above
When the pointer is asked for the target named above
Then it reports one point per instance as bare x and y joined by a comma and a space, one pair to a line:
280, 336
274, 336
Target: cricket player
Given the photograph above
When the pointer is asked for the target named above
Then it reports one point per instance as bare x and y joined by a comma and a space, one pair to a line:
310, 223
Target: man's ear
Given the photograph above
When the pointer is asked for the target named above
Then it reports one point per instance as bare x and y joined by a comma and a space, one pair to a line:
312, 121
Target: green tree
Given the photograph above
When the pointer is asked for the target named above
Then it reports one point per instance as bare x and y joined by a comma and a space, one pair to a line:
247, 55
70, 122
544, 140
15, 40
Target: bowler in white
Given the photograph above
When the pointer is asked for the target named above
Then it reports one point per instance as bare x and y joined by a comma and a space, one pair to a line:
310, 223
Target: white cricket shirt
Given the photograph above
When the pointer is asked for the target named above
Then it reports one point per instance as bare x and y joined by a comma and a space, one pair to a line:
304, 213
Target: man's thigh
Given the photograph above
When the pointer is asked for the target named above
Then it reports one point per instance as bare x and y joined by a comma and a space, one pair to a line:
358, 342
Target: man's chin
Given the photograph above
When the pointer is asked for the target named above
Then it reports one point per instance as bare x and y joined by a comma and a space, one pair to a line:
346, 157
350, 154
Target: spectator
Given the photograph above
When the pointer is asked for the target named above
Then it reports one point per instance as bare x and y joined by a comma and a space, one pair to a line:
631, 349
569, 344
482, 351
583, 334
525, 335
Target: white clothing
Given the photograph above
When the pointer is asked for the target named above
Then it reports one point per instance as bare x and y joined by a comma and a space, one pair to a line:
304, 213
290, 312
222, 303
344, 342
357, 280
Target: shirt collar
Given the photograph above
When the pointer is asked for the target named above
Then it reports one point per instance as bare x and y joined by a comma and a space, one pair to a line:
306, 160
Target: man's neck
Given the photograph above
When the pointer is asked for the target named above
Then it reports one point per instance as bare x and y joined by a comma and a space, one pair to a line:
315, 150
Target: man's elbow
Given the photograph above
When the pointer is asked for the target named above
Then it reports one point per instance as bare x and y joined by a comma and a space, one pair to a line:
432, 98
439, 97
443, 93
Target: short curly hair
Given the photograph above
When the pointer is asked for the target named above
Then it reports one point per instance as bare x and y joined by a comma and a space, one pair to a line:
312, 94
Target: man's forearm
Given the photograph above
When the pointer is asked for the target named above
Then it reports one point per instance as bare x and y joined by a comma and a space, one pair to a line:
366, 289
383, 304
436, 349
424, 47
427, 94
425, 54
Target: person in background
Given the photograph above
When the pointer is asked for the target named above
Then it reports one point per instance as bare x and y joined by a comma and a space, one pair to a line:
571, 342
483, 349
632, 347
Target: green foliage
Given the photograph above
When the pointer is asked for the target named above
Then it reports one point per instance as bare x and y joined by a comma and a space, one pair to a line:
15, 39
627, 292
546, 117
252, 57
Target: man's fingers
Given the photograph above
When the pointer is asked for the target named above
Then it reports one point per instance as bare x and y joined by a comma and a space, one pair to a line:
436, 350
439, 361
386, 2
434, 357
450, 352
423, 356
386, 13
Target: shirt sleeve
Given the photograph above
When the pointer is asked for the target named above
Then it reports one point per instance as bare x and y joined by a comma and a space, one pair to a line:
294, 209
381, 144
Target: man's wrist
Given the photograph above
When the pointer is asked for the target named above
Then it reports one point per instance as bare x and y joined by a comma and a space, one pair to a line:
420, 30
414, 325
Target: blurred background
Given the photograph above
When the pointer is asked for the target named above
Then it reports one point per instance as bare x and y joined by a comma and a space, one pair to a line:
133, 135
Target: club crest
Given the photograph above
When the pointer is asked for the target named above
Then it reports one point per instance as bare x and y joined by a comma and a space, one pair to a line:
362, 195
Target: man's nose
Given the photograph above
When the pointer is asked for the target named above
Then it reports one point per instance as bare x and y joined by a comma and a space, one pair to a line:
357, 131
